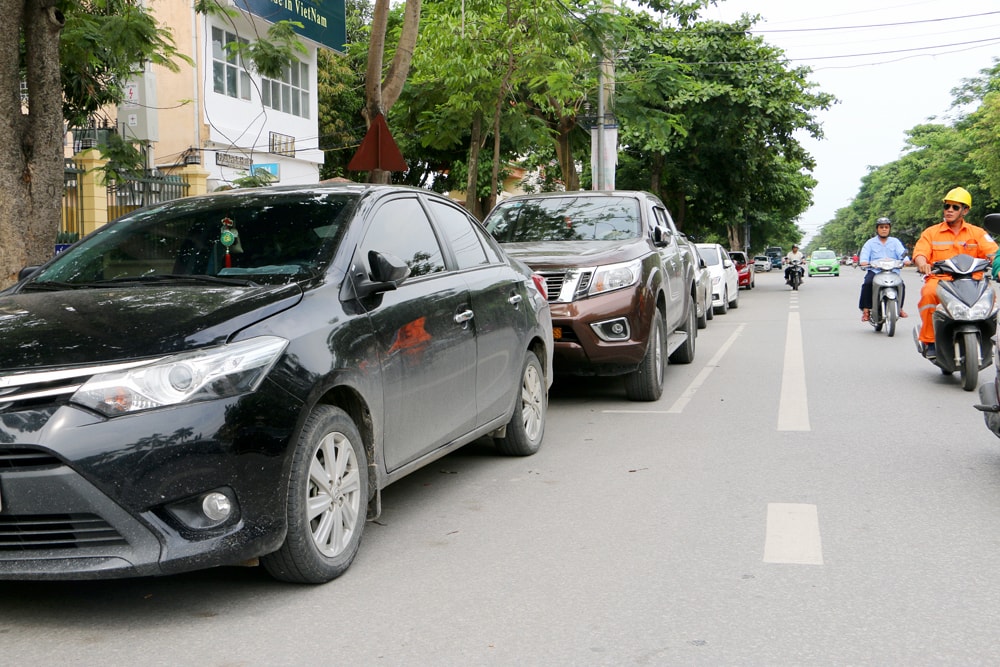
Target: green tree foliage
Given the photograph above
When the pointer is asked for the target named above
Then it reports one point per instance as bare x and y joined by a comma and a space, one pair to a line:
709, 115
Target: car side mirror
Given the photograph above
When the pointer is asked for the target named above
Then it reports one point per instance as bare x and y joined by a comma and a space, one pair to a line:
659, 239
727, 263
26, 271
992, 223
387, 273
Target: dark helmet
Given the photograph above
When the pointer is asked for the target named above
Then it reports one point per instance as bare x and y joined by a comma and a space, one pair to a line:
883, 221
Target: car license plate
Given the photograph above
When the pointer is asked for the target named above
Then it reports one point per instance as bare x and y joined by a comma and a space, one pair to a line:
557, 333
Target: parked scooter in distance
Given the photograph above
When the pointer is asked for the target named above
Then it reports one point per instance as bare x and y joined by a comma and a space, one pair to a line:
795, 273
965, 321
885, 295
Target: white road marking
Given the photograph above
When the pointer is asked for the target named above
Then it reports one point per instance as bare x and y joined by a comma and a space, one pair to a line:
793, 406
699, 379
793, 535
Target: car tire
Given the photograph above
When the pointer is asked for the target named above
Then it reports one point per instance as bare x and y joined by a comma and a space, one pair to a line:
709, 310
646, 382
523, 435
327, 500
684, 354
735, 303
724, 308
705, 316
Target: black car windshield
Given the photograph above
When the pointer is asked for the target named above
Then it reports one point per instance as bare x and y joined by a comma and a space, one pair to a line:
565, 219
250, 238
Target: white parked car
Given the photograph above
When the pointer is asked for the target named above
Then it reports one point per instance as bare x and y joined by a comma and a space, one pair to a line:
762, 263
725, 279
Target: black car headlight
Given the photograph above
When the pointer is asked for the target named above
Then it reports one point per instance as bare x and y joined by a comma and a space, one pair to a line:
200, 375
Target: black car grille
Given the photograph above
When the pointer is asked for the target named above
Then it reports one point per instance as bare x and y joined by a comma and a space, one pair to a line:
56, 531
21, 390
16, 458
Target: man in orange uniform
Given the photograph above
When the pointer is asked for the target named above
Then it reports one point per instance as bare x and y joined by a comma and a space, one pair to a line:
951, 237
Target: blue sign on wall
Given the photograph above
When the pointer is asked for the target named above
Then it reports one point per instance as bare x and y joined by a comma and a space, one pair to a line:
324, 22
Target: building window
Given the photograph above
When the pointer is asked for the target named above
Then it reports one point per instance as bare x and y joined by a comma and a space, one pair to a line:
229, 76
290, 93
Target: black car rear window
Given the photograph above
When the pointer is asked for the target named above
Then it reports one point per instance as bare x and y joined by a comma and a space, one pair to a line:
565, 219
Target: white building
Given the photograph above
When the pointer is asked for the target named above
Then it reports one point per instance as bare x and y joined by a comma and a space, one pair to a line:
222, 113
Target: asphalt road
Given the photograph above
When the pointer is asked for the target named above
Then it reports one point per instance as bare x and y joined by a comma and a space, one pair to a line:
807, 492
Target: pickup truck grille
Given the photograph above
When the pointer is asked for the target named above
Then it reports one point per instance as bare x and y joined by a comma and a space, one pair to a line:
568, 285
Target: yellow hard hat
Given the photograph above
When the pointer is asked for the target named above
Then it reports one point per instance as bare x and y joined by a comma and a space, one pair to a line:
961, 195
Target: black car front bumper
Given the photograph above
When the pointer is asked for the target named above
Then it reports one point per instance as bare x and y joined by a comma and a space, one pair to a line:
83, 497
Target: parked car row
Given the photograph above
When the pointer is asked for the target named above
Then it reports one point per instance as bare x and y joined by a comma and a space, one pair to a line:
237, 376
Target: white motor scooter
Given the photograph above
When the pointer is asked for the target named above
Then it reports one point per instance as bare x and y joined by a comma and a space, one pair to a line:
887, 288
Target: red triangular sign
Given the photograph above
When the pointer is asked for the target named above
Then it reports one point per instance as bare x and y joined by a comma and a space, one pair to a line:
378, 150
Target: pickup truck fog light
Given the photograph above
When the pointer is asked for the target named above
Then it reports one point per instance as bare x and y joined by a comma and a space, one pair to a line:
205, 510
612, 330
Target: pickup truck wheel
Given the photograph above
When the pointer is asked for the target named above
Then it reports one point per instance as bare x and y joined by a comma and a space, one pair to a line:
646, 382
523, 435
685, 353
327, 500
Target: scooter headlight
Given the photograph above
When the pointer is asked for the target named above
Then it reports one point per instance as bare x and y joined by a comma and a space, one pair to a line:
982, 309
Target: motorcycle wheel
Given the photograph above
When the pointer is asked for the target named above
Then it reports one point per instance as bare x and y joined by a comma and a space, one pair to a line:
969, 345
891, 310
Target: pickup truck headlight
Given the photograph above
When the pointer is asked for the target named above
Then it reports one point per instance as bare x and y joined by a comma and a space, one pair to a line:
615, 276
200, 375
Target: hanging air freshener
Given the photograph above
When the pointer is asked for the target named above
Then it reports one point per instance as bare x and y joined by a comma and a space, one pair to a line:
227, 237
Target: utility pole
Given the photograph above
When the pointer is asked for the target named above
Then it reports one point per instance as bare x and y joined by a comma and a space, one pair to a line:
604, 134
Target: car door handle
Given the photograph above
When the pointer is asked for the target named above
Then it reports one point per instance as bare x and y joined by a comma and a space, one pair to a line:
463, 317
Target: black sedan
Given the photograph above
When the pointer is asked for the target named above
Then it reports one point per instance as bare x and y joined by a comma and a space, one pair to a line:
237, 376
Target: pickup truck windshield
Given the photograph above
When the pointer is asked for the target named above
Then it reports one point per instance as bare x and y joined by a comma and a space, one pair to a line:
566, 219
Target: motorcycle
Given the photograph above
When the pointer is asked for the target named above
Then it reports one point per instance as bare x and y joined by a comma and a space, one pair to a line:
886, 291
989, 393
795, 273
965, 321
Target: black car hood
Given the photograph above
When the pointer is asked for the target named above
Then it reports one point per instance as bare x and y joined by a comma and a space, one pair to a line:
561, 254
87, 326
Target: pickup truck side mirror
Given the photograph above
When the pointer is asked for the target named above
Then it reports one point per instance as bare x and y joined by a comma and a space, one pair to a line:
659, 237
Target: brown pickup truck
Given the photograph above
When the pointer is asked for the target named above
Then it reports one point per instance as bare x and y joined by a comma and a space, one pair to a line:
621, 287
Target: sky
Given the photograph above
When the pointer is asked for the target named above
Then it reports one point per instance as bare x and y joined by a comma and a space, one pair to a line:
894, 73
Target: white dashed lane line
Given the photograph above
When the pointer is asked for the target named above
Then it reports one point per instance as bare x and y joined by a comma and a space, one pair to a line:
793, 534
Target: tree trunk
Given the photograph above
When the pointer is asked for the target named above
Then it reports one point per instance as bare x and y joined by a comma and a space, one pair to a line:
564, 154
31, 160
381, 94
472, 180
733, 232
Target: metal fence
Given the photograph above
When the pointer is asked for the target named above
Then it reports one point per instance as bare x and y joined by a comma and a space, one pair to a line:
125, 195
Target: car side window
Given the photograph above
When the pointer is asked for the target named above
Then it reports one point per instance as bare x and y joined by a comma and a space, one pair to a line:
461, 234
401, 227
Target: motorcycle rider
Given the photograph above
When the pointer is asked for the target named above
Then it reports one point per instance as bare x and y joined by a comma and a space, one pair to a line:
792, 255
944, 240
880, 246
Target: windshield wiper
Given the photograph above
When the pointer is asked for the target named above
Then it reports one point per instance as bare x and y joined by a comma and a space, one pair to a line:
175, 278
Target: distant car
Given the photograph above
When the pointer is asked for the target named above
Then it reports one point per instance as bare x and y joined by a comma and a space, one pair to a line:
703, 286
744, 268
823, 262
237, 376
725, 281
762, 263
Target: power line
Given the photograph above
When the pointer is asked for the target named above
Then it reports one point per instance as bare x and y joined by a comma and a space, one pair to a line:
879, 25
